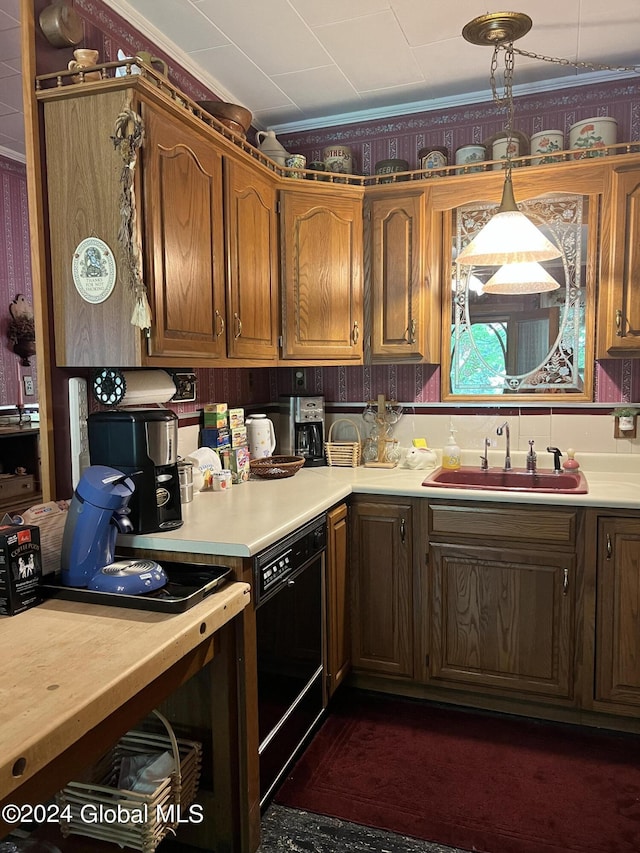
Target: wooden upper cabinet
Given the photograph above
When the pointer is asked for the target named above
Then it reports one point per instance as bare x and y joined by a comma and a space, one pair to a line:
619, 310
395, 291
183, 238
321, 275
83, 182
251, 235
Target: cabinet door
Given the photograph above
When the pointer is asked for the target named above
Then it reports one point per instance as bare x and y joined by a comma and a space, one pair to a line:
396, 290
183, 233
381, 566
321, 245
619, 309
338, 639
502, 619
618, 612
252, 258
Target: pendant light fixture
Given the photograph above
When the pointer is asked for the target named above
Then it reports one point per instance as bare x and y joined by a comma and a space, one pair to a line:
521, 278
509, 237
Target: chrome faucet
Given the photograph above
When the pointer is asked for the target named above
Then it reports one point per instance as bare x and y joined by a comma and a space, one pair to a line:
507, 459
484, 459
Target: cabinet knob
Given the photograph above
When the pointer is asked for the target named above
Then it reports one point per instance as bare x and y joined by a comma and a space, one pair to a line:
619, 330
403, 530
238, 331
609, 547
411, 332
355, 335
565, 581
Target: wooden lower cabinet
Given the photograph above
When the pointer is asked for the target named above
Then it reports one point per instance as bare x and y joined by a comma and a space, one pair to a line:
337, 598
502, 619
617, 681
382, 587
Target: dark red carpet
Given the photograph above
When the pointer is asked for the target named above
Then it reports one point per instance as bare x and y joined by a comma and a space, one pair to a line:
479, 782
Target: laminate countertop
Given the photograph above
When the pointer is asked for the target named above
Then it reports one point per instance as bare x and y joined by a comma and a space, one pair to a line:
253, 515
66, 667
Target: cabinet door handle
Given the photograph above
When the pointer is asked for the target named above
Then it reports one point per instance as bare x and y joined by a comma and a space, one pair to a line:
565, 581
238, 325
411, 332
355, 335
609, 547
220, 322
403, 530
619, 331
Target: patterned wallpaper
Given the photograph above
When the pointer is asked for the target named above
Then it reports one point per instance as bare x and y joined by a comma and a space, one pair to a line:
15, 272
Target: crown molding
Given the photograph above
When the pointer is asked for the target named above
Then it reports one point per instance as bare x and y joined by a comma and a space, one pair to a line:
12, 155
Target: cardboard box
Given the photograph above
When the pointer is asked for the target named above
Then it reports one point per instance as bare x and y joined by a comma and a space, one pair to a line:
236, 459
215, 438
236, 418
215, 420
239, 436
216, 408
20, 568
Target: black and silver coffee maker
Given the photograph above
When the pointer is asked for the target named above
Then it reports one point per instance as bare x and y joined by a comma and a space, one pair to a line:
302, 427
142, 443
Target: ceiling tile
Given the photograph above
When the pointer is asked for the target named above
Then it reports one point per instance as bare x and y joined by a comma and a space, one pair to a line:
334, 11
272, 34
251, 86
320, 90
387, 59
182, 23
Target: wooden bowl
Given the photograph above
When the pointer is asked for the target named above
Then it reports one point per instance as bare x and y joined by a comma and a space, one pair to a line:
224, 112
276, 467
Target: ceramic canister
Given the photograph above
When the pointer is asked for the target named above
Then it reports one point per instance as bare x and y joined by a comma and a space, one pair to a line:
590, 134
468, 155
433, 159
388, 167
338, 158
546, 142
503, 147
296, 162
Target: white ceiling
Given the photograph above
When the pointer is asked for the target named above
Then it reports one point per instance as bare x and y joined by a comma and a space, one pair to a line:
302, 63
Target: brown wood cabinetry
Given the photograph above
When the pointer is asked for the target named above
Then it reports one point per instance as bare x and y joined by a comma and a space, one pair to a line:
321, 274
619, 308
338, 598
183, 239
502, 599
402, 308
252, 262
382, 587
617, 682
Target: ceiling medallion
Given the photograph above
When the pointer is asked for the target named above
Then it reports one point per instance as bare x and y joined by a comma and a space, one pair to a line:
497, 28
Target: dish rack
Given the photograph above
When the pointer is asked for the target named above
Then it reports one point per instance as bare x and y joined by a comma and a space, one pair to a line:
345, 454
153, 815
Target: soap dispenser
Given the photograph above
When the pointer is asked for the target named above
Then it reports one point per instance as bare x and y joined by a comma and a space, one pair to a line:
451, 453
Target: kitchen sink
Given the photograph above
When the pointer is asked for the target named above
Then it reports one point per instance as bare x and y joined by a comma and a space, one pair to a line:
514, 480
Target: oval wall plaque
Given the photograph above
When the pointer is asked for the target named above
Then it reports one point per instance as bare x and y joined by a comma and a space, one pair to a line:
94, 270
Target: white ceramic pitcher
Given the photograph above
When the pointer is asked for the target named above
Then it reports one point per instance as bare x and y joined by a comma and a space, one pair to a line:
270, 147
261, 436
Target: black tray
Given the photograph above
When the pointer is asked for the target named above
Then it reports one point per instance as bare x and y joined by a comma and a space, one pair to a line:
188, 585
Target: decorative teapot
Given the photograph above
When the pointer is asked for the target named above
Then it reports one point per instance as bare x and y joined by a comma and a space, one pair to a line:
270, 147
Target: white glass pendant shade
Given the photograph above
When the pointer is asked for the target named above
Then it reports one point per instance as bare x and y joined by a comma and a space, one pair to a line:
521, 278
509, 237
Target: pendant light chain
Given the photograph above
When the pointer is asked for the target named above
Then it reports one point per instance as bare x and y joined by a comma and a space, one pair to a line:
589, 66
506, 98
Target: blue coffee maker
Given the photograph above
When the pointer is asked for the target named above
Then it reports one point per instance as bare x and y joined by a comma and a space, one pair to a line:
98, 512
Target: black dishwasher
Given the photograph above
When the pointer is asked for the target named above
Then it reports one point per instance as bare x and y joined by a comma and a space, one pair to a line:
289, 587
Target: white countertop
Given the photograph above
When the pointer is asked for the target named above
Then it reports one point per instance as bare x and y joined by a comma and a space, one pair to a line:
253, 515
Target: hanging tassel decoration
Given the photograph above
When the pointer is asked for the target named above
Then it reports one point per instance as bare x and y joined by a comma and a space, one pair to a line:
127, 139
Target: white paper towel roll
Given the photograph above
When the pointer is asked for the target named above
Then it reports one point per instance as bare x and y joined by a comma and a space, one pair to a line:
147, 386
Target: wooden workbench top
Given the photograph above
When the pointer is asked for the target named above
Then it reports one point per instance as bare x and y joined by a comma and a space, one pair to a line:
65, 667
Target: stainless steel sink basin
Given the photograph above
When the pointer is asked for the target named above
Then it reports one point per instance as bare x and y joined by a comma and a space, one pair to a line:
514, 480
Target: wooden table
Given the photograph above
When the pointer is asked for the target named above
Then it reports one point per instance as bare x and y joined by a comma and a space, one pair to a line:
75, 677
